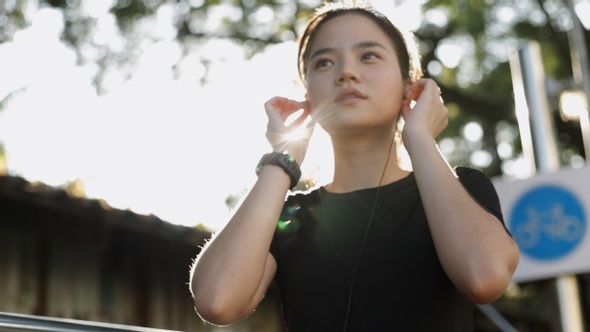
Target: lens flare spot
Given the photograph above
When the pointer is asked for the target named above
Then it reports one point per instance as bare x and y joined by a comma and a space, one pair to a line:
288, 222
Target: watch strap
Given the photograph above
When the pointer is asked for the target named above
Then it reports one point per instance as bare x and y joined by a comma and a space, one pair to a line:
284, 161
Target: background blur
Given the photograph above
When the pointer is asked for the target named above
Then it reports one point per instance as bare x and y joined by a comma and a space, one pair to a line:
156, 106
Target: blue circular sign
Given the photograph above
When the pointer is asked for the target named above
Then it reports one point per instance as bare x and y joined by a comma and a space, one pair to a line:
548, 222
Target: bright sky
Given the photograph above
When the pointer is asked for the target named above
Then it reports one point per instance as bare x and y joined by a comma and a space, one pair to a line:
154, 144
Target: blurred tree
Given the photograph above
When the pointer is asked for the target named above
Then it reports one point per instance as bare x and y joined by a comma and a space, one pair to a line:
466, 45
478, 83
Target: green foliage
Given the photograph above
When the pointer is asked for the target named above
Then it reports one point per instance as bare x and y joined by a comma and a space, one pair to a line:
128, 11
57, 3
12, 19
478, 88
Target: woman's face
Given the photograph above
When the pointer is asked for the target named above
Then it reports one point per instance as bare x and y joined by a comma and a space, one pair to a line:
353, 76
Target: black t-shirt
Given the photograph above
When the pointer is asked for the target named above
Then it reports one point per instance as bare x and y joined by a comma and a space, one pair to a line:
399, 284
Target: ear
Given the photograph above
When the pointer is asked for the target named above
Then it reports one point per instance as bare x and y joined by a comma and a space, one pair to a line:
408, 82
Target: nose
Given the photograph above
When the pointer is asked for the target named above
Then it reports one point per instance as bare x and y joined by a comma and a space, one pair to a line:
347, 77
348, 73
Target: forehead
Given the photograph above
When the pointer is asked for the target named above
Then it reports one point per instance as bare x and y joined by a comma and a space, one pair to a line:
349, 27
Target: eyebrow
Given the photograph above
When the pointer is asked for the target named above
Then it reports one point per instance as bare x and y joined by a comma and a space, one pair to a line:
361, 45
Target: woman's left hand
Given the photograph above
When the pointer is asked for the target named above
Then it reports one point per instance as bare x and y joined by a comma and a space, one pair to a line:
428, 116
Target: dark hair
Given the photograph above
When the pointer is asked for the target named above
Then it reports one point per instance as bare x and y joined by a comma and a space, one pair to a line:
403, 42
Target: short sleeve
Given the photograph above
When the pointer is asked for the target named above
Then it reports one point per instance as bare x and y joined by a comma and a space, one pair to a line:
481, 189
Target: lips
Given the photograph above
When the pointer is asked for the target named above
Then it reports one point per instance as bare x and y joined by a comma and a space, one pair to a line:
349, 95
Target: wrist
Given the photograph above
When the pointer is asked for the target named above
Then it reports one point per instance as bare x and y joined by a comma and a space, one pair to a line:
295, 151
284, 161
414, 138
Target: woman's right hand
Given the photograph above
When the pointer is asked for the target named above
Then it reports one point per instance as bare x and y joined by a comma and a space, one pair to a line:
292, 138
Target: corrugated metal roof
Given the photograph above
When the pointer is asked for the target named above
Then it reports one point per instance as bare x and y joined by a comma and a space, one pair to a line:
15, 189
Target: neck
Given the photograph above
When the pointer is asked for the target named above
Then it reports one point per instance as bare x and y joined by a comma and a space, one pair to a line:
361, 164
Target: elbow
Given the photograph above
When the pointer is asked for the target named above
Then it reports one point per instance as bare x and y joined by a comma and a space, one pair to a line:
487, 286
487, 291
216, 312
212, 305
484, 287
218, 306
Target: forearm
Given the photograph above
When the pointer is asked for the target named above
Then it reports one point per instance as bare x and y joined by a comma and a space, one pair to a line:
473, 246
232, 271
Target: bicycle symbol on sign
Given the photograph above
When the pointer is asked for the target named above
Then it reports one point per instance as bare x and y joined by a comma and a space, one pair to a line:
548, 222
553, 223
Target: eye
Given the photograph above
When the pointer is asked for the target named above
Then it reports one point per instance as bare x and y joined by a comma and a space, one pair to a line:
367, 56
322, 63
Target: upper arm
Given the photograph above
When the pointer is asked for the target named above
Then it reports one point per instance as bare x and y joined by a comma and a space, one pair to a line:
270, 269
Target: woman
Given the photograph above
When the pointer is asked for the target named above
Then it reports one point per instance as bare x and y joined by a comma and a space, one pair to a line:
379, 248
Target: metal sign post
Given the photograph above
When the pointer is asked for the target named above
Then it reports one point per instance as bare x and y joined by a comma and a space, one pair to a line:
532, 105
580, 71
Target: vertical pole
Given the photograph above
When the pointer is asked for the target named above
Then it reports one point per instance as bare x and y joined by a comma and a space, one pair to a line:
542, 134
580, 71
581, 74
522, 113
569, 302
542, 128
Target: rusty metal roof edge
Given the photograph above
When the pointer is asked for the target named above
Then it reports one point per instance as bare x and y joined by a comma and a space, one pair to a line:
43, 195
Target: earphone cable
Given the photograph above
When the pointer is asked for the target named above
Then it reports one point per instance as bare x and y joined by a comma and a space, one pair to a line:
358, 259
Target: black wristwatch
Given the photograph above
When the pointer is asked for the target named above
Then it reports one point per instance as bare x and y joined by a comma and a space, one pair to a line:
284, 161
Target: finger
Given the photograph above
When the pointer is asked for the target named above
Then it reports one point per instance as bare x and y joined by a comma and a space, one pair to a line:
287, 106
406, 109
282, 111
297, 121
431, 88
414, 90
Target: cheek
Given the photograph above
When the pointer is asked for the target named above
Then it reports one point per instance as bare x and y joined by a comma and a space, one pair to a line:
314, 95
316, 107
395, 88
311, 100
394, 96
